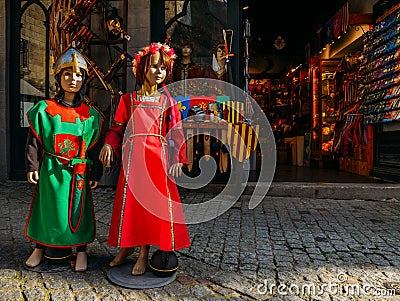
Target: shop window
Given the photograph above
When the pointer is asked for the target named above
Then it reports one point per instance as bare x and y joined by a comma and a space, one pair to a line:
201, 22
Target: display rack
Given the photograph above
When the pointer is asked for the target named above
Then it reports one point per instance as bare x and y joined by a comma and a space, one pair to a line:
381, 96
323, 88
382, 72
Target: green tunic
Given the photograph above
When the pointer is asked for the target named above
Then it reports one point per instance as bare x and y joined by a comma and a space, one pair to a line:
61, 213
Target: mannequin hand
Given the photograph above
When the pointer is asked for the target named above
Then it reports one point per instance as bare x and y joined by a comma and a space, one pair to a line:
106, 155
176, 169
93, 184
32, 176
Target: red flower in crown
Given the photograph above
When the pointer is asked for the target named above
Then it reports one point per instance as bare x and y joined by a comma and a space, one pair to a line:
152, 48
137, 58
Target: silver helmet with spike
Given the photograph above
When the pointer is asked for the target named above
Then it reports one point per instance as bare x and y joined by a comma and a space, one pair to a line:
70, 58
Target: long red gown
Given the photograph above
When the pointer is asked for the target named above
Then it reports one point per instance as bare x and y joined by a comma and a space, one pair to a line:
147, 207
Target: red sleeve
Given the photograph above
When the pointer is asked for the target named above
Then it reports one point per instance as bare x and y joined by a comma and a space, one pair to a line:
176, 134
115, 134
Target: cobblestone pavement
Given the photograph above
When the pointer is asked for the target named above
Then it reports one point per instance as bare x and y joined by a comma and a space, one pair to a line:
284, 249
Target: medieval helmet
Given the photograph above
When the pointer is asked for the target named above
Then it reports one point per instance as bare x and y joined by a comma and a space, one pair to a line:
70, 58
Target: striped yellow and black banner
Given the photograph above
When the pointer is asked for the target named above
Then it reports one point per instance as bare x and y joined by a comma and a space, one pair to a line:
243, 140
235, 108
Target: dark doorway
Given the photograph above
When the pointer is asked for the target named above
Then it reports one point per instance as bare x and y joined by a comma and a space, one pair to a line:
28, 73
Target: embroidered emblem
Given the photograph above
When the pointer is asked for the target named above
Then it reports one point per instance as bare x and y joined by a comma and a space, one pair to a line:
66, 145
80, 184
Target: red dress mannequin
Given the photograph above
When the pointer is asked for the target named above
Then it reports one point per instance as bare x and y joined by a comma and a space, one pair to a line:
147, 209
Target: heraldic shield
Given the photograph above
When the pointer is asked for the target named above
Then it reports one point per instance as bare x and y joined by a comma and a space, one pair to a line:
242, 139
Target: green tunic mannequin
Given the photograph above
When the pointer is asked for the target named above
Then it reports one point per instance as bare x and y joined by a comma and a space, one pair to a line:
66, 128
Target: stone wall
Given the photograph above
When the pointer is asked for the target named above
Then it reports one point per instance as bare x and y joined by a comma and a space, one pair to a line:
139, 29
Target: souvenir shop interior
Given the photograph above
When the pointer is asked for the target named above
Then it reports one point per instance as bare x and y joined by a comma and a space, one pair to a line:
303, 93
337, 108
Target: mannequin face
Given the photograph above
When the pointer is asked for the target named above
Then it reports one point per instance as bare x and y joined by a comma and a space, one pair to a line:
186, 50
71, 82
220, 54
157, 71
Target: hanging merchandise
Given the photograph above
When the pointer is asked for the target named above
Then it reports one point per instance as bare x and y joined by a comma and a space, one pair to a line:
246, 37
228, 38
351, 135
380, 68
113, 23
380, 99
68, 27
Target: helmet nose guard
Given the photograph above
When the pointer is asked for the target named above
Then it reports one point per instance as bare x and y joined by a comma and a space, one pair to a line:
70, 58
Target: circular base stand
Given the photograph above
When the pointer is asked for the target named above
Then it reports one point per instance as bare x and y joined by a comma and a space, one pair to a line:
121, 275
51, 266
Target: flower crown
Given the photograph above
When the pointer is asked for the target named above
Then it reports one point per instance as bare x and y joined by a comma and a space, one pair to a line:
152, 48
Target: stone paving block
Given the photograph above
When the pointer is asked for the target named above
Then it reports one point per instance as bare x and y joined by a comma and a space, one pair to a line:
249, 273
32, 283
230, 260
56, 284
86, 296
228, 267
34, 294
137, 295
201, 292
11, 295
61, 295
9, 284
79, 286
157, 294
106, 289
8, 273
25, 275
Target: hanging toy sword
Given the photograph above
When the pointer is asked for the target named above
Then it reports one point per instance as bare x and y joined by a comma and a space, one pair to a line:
77, 193
227, 50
